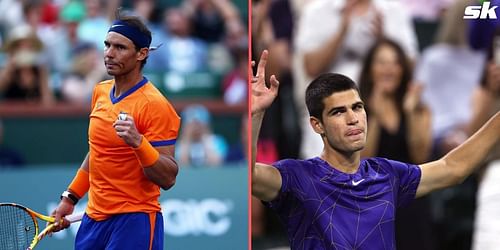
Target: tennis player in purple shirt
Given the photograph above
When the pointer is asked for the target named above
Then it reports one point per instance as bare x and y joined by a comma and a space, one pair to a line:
337, 200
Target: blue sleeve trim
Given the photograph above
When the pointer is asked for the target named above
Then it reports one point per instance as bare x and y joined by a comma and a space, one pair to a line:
163, 143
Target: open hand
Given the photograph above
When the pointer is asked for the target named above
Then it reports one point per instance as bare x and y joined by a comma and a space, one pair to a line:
263, 96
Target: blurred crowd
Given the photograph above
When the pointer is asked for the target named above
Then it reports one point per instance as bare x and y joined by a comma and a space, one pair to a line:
51, 54
429, 79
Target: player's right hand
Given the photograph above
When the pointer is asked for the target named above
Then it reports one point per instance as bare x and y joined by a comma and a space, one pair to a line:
263, 96
64, 208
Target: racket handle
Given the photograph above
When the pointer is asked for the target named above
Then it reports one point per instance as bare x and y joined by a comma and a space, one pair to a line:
71, 218
74, 217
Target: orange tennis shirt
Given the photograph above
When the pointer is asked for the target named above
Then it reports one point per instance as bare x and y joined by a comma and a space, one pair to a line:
117, 182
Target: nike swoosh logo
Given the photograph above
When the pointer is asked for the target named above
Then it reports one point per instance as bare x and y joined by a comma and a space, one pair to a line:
355, 183
117, 25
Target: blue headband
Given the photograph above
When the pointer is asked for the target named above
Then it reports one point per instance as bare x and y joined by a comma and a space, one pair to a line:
139, 39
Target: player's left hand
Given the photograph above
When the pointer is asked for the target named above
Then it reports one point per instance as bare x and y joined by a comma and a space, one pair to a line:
125, 129
64, 208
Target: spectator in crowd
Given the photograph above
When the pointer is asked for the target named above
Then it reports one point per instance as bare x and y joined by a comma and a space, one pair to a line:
181, 53
65, 38
49, 12
95, 24
342, 34
8, 156
449, 70
208, 24
150, 13
394, 105
86, 71
273, 26
344, 30
23, 76
282, 18
399, 129
45, 24
198, 145
152, 16
215, 20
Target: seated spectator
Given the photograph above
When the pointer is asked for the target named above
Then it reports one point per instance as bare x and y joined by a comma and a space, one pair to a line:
197, 145
8, 156
23, 76
87, 70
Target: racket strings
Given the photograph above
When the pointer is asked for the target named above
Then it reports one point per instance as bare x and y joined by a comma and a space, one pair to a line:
17, 228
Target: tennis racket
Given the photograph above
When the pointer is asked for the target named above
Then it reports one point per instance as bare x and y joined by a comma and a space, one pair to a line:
19, 226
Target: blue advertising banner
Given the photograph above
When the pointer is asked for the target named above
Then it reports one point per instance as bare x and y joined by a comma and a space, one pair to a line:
206, 209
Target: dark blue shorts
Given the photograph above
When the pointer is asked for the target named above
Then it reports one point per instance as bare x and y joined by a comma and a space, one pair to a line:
120, 232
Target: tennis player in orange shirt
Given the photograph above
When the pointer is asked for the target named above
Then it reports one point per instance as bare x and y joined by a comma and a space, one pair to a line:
132, 133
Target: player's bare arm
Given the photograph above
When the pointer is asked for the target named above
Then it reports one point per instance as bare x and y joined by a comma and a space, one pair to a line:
164, 171
266, 179
455, 166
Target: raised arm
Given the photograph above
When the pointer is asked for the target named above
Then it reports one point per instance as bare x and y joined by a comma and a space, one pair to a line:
318, 60
459, 163
266, 179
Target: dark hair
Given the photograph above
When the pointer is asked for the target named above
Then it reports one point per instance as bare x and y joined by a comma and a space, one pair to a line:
366, 77
137, 22
323, 86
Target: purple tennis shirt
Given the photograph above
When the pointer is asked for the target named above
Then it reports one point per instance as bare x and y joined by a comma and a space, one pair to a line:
323, 208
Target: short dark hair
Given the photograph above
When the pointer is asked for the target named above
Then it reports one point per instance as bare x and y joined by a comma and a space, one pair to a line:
137, 22
323, 86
